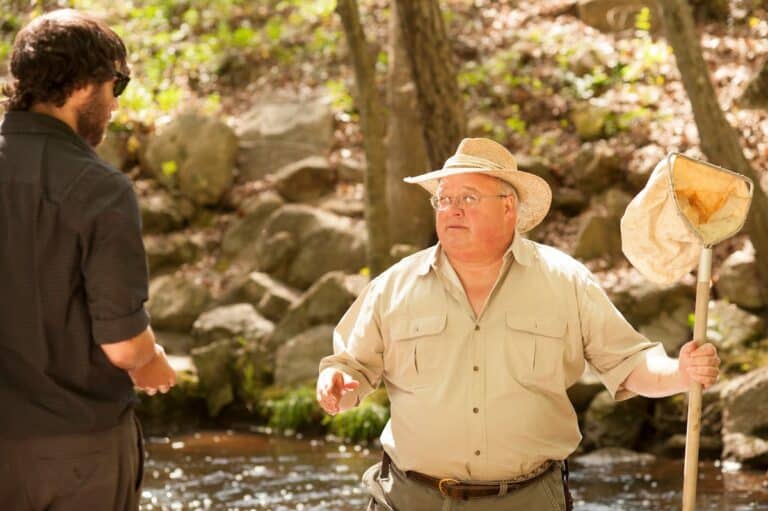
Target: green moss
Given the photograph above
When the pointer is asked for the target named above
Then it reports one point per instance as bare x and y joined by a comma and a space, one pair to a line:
364, 422
295, 410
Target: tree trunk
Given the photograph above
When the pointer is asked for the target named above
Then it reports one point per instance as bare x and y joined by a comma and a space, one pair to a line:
372, 121
434, 72
411, 219
719, 141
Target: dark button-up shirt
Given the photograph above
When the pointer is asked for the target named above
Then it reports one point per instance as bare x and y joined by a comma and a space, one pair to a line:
73, 275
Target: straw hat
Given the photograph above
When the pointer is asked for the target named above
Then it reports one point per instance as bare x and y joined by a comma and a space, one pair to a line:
484, 156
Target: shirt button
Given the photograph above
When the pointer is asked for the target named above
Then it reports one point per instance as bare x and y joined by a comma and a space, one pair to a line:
475, 368
476, 410
477, 327
477, 453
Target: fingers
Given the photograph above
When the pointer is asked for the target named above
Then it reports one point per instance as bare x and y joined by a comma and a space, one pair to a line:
331, 386
706, 376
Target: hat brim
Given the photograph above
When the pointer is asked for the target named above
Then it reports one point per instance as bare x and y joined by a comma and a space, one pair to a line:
534, 193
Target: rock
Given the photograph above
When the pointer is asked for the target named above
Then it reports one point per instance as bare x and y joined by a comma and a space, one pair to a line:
238, 321
328, 242
401, 250
253, 372
175, 343
570, 200
353, 207
584, 391
745, 419
271, 297
612, 456
244, 232
616, 15
641, 300
323, 303
670, 415
175, 301
297, 359
480, 125
730, 327
168, 252
176, 157
710, 446
278, 132
306, 179
670, 328
215, 367
738, 280
538, 166
597, 236
351, 171
609, 423
162, 213
590, 121
178, 410
265, 202
114, 148
597, 166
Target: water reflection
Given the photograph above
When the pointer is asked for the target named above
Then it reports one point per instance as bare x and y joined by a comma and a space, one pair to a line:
237, 471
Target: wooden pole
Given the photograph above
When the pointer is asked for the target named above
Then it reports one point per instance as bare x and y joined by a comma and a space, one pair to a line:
693, 433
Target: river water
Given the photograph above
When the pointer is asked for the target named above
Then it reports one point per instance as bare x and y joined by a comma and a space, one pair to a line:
240, 471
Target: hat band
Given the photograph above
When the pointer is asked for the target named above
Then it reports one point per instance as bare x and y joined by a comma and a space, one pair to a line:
466, 160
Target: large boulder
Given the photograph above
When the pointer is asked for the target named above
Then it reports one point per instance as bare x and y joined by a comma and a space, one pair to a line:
305, 180
590, 120
670, 416
194, 153
323, 303
168, 252
299, 244
240, 238
745, 418
270, 297
113, 149
738, 280
641, 300
215, 364
584, 391
599, 234
670, 328
161, 212
237, 321
175, 301
278, 132
597, 166
610, 423
297, 360
730, 327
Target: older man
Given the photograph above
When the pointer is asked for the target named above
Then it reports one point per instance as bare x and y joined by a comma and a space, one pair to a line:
477, 340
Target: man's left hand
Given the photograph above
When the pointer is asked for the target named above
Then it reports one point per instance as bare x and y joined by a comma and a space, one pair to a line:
699, 364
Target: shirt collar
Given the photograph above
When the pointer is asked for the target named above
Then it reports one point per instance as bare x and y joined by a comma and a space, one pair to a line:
520, 250
19, 121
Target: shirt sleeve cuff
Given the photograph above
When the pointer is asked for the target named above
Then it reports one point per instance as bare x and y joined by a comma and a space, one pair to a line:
614, 379
106, 331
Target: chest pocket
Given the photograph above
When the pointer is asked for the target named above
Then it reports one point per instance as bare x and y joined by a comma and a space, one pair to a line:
535, 349
415, 350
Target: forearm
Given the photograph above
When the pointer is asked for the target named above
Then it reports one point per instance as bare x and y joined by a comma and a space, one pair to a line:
133, 353
657, 376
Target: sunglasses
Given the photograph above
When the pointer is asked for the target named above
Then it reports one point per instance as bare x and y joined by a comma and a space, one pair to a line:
121, 82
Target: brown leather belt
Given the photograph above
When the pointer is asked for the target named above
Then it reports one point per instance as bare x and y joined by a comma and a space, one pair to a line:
464, 490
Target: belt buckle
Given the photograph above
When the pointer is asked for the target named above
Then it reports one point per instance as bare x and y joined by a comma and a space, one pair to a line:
444, 481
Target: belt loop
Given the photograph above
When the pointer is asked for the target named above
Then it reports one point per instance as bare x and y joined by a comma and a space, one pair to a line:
503, 487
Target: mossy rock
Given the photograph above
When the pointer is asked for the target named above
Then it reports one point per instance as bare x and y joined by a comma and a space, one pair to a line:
180, 409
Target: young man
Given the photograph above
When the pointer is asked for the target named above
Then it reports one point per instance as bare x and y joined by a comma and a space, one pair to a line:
477, 340
74, 336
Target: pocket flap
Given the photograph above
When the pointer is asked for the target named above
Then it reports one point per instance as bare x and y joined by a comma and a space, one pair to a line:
538, 325
418, 327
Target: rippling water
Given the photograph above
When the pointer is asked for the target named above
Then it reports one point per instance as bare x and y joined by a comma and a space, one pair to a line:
236, 471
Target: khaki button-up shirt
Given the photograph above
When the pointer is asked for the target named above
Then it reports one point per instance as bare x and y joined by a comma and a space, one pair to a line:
483, 397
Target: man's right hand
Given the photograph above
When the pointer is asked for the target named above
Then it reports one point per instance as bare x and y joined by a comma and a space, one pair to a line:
157, 375
332, 384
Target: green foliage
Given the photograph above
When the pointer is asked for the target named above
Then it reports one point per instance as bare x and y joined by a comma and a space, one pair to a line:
295, 410
364, 422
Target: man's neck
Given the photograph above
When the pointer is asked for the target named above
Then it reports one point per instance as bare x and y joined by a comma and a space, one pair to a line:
63, 114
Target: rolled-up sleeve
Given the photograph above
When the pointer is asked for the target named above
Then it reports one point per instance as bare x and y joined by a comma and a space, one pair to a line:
114, 267
611, 345
358, 347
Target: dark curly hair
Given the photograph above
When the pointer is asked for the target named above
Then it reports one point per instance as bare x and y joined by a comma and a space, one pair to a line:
58, 53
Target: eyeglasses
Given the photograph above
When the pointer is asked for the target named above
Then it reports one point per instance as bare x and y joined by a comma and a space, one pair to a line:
121, 82
464, 200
